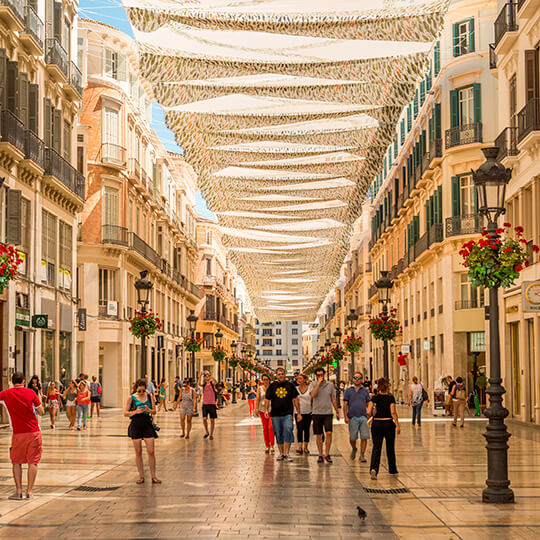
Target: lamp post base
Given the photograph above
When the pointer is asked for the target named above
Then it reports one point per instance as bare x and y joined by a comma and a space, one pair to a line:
498, 495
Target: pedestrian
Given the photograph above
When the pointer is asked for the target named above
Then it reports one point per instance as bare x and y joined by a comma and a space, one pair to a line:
187, 398
260, 403
150, 386
252, 396
280, 403
177, 388
70, 397
384, 427
459, 398
402, 361
83, 404
22, 404
95, 397
448, 404
35, 386
139, 408
207, 383
357, 407
323, 395
53, 402
416, 400
303, 426
162, 395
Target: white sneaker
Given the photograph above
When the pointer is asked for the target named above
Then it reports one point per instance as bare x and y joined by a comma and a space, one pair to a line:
288, 458
16, 497
373, 474
363, 458
281, 457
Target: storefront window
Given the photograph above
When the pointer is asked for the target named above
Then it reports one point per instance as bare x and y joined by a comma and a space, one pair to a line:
47, 356
65, 358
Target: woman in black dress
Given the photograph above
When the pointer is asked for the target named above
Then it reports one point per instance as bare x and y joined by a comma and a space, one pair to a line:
139, 407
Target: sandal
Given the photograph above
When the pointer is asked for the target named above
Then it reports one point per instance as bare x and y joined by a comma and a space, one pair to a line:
140, 481
299, 451
156, 481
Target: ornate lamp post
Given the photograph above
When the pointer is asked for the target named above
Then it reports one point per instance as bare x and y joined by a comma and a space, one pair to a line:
490, 180
234, 345
352, 319
192, 321
219, 336
384, 284
243, 375
337, 341
143, 286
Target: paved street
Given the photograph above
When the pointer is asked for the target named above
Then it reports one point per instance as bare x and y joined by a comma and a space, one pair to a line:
228, 488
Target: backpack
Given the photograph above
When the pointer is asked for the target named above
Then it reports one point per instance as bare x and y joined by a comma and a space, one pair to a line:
460, 392
425, 396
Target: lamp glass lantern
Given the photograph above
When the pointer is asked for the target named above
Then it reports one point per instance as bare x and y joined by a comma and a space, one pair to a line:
192, 320
337, 336
219, 336
352, 318
233, 347
384, 284
143, 286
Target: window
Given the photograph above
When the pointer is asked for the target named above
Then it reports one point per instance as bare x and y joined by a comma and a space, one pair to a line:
67, 141
24, 246
267, 352
267, 332
267, 342
208, 266
209, 237
48, 248
295, 352
294, 322
295, 362
295, 341
465, 106
278, 341
471, 297
110, 214
66, 254
278, 352
114, 65
463, 36
278, 331
466, 194
107, 290
294, 331
256, 342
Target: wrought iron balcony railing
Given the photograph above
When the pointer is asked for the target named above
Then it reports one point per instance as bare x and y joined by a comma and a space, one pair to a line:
57, 55
466, 224
57, 166
506, 21
506, 142
12, 129
33, 25
528, 119
34, 148
465, 134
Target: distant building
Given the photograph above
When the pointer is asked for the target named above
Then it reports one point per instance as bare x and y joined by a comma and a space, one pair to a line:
279, 344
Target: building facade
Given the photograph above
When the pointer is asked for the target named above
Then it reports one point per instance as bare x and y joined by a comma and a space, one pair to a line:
41, 190
516, 63
138, 215
279, 344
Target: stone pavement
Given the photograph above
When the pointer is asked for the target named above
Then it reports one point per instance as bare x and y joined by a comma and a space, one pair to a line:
228, 488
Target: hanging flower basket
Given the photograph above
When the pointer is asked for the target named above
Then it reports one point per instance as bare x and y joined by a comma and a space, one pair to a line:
144, 324
193, 344
9, 264
386, 327
352, 344
233, 361
496, 260
337, 353
218, 353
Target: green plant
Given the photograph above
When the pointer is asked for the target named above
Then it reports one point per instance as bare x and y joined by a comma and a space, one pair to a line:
144, 324
9, 265
481, 381
193, 344
337, 353
352, 344
234, 361
385, 327
496, 260
218, 353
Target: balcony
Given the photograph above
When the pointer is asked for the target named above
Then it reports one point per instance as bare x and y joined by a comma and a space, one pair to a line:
527, 8
33, 34
432, 236
134, 169
492, 56
56, 59
528, 121
59, 168
114, 234
466, 134
12, 133
113, 155
34, 149
142, 248
474, 303
506, 142
466, 224
12, 14
372, 291
435, 152
74, 83
506, 27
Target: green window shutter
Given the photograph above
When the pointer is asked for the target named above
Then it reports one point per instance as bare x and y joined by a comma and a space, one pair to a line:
409, 118
454, 109
3, 77
58, 22
47, 122
431, 129
475, 195
437, 58
415, 104
437, 121
57, 130
455, 40
23, 98
416, 222
439, 204
429, 77
12, 85
477, 102
455, 196
33, 108
472, 47
422, 92
426, 211
402, 129
423, 139
395, 146
13, 217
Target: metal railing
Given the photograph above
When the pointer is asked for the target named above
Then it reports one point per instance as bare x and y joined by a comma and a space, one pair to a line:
33, 25
528, 119
34, 148
57, 166
474, 303
466, 224
492, 56
465, 134
12, 129
75, 77
57, 55
114, 234
435, 149
506, 21
141, 247
506, 142
17, 6
134, 168
372, 291
113, 154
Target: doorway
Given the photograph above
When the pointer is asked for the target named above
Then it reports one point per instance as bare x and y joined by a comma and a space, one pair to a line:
516, 371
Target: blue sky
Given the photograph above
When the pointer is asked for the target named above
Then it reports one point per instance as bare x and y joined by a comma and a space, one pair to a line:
111, 12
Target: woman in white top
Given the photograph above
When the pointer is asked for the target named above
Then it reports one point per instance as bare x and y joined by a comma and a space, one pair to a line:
303, 426
266, 422
415, 400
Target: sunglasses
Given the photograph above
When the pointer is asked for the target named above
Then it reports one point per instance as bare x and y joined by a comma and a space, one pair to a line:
357, 377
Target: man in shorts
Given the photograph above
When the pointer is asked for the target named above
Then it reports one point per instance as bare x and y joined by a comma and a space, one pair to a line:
323, 394
209, 405
22, 404
357, 406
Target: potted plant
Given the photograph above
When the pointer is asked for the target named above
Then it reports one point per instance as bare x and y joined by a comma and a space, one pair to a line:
352, 344
385, 327
144, 324
193, 344
218, 353
336, 353
9, 265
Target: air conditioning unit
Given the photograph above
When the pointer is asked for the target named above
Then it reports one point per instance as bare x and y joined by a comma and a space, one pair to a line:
112, 308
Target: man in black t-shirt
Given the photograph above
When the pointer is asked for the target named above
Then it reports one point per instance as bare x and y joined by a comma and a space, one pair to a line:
280, 402
448, 404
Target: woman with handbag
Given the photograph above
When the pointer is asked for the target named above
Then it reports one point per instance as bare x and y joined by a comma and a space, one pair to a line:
187, 398
417, 396
95, 397
139, 408
83, 403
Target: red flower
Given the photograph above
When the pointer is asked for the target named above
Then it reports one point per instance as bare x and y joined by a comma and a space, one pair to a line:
499, 231
535, 248
518, 268
523, 241
507, 250
506, 224
518, 229
527, 263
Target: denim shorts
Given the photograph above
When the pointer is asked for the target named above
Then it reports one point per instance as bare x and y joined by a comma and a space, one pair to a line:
358, 424
283, 428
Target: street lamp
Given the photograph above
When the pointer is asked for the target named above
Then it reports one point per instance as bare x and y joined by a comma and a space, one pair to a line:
352, 319
243, 375
490, 181
192, 321
234, 345
337, 340
143, 286
219, 336
384, 284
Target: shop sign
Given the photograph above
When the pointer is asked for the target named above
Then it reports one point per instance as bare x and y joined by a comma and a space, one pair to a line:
160, 344
427, 345
81, 317
22, 317
530, 292
40, 321
478, 341
406, 349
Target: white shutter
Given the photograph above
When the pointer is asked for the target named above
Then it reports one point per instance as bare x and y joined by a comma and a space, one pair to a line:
110, 128
107, 62
110, 206
122, 67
